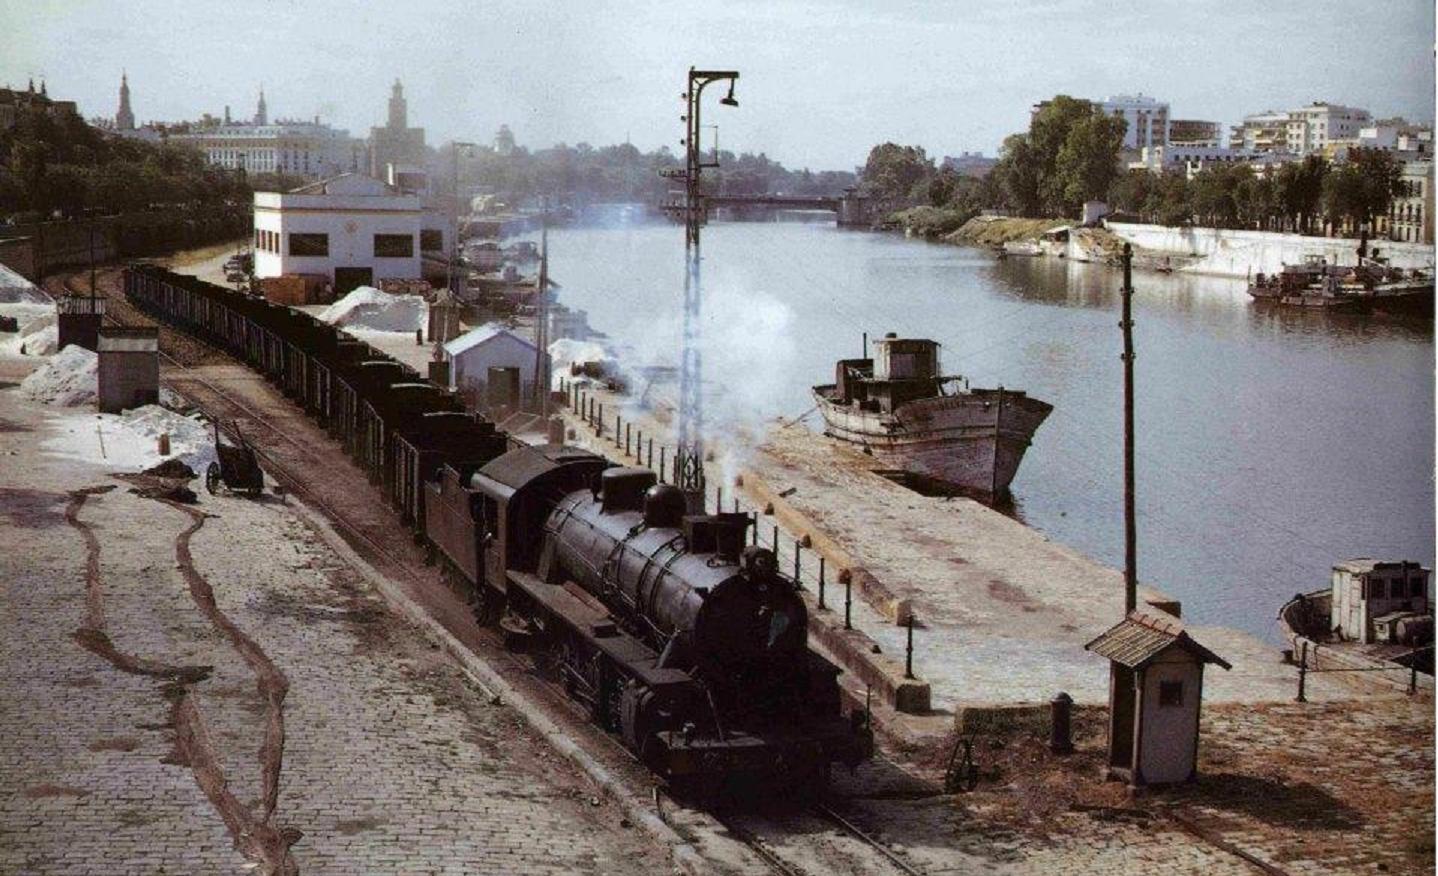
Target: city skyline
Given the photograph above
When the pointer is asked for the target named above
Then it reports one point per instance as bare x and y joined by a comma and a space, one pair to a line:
820, 82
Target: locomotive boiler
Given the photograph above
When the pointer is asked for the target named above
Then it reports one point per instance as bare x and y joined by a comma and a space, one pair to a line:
685, 642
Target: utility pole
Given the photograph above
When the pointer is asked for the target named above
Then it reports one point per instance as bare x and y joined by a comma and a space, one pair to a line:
541, 318
689, 455
1130, 533
455, 274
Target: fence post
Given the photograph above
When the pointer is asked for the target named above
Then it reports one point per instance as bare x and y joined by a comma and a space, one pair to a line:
1302, 674
626, 438
661, 461
776, 541
719, 500
599, 422
848, 600
909, 650
651, 453
821, 581
756, 529
797, 549
1413, 678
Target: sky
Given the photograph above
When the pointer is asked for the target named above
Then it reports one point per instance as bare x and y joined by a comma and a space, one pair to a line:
820, 82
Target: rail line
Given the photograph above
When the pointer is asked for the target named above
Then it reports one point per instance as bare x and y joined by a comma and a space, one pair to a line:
858, 833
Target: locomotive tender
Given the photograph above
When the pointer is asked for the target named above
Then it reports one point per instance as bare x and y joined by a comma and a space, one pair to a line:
673, 634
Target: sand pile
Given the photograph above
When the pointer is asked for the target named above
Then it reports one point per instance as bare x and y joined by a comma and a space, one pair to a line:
129, 442
369, 308
37, 334
69, 379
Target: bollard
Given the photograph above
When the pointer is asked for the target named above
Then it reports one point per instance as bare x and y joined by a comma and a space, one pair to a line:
797, 548
821, 582
909, 650
848, 600
1061, 723
1302, 675
419, 337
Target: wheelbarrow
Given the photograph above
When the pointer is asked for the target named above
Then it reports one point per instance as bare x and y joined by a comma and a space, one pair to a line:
236, 466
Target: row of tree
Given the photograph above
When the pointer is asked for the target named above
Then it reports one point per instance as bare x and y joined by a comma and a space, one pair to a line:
1071, 154
61, 165
624, 173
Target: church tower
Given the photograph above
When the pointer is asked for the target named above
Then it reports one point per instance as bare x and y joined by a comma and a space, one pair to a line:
124, 117
398, 114
262, 115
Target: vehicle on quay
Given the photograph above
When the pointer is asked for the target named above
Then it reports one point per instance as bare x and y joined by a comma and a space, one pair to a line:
940, 432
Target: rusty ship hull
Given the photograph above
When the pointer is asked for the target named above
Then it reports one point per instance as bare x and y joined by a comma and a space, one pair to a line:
971, 442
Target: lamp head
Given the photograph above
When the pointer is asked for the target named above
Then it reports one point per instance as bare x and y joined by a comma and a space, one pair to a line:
728, 99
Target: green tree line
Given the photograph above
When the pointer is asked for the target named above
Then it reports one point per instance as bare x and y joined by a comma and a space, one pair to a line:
1071, 154
61, 166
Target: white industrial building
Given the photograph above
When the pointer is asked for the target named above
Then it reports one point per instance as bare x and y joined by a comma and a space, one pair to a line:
1147, 119
473, 354
351, 230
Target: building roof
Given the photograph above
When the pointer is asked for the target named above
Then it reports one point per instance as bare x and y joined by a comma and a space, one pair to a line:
346, 184
1362, 565
482, 335
1141, 637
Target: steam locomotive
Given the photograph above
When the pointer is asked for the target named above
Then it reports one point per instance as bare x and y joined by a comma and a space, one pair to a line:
663, 625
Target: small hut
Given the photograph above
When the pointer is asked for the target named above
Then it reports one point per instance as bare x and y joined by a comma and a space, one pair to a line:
1155, 693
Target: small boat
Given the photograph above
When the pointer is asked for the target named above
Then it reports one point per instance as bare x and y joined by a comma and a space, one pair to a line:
1023, 248
933, 429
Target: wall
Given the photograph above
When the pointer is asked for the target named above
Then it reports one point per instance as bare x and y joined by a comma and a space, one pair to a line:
1234, 253
351, 242
1166, 749
470, 369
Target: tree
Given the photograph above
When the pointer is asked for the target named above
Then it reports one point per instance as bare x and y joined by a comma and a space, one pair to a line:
1018, 175
893, 172
1087, 163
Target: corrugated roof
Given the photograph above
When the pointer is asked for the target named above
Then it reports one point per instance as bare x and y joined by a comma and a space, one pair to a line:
475, 337
1140, 637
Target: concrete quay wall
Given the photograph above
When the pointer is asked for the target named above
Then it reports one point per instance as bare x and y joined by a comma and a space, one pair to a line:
1240, 253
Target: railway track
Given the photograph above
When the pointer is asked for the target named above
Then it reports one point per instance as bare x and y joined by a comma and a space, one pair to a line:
798, 851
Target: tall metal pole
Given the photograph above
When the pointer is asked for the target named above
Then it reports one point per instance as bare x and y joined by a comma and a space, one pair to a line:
1130, 531
689, 455
541, 318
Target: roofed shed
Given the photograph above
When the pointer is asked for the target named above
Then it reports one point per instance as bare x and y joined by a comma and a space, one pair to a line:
1155, 694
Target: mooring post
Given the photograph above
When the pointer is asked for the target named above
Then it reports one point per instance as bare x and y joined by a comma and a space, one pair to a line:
909, 650
848, 600
821, 581
1302, 674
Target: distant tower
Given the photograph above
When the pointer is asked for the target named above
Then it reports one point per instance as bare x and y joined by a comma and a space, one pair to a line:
124, 116
398, 115
504, 141
227, 115
262, 116
42, 88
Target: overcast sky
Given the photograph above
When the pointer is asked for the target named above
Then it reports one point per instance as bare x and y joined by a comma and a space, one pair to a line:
821, 82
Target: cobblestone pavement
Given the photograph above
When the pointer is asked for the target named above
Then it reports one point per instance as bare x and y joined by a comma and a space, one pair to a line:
391, 762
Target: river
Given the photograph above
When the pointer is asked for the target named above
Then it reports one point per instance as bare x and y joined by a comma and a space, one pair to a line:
1271, 443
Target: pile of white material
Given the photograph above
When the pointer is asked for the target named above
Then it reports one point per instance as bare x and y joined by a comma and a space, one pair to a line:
37, 336
369, 308
69, 379
16, 289
129, 442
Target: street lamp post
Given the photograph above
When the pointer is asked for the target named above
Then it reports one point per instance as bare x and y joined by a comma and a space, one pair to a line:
689, 456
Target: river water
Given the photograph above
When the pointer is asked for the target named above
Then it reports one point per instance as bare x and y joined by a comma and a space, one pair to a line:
1271, 443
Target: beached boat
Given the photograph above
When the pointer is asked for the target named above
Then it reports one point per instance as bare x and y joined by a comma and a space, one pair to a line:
935, 429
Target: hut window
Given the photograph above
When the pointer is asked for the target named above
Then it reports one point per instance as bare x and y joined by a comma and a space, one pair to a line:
1170, 693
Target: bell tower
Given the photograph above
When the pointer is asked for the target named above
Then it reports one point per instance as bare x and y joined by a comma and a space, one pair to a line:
124, 116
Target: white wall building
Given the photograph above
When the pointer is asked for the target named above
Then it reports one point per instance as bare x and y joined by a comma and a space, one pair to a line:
351, 229
1147, 119
1365, 589
1311, 128
308, 149
473, 353
1261, 132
